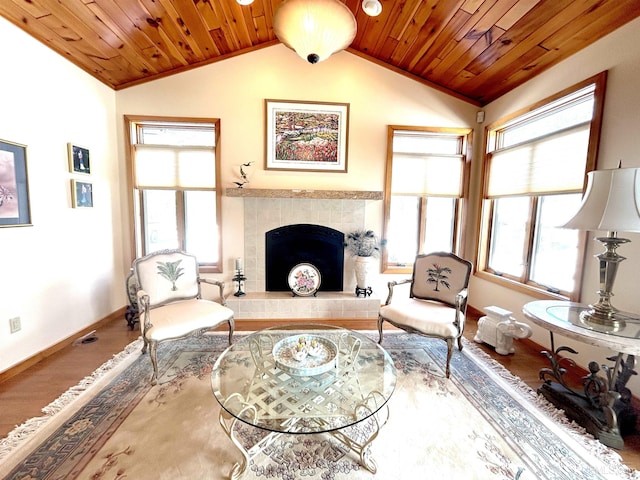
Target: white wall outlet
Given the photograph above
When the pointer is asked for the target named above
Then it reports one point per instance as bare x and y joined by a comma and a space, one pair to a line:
14, 324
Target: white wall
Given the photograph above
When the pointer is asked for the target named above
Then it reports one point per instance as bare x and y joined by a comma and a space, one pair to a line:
234, 91
61, 274
618, 53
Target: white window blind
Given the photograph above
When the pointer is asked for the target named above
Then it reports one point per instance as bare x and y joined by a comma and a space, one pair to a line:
434, 175
552, 164
174, 167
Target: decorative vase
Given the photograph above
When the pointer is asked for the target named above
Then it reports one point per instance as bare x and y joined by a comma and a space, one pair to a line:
362, 267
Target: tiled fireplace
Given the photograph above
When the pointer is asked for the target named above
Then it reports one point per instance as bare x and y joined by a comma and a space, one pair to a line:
272, 209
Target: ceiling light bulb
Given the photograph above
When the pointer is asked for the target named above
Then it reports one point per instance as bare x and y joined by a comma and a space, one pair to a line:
373, 8
245, 2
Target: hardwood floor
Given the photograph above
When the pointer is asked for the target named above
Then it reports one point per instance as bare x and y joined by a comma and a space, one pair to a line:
23, 396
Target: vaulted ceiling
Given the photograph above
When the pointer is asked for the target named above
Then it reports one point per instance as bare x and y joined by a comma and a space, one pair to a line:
476, 50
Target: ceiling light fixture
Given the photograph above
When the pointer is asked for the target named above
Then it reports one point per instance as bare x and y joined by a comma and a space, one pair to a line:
315, 29
373, 8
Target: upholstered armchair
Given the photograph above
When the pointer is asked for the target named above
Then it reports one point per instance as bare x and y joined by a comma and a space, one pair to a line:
170, 304
437, 302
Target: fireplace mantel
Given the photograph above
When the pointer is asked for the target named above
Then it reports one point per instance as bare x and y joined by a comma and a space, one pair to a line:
301, 193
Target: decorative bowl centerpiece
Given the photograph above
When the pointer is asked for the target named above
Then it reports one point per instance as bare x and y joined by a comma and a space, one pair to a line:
305, 355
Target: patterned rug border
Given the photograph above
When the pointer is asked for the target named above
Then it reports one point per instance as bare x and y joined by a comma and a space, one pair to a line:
22, 434
521, 392
73, 398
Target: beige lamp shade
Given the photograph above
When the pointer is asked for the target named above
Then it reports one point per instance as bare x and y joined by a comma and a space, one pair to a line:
315, 29
611, 202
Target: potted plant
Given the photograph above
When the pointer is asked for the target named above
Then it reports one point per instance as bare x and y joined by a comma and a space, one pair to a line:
363, 245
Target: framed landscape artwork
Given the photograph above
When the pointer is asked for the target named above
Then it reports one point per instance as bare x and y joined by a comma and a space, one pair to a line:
14, 187
306, 136
82, 194
78, 159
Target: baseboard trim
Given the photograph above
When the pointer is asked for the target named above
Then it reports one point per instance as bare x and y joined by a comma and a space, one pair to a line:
32, 360
473, 312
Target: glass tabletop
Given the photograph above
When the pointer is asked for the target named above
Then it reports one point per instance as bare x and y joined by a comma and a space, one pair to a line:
564, 318
339, 378
571, 314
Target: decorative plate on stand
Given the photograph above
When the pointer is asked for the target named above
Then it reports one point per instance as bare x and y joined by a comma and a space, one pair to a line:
304, 279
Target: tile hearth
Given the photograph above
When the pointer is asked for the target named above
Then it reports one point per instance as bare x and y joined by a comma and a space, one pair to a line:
266, 305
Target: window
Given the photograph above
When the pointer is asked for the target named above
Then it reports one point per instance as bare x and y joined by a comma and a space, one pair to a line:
175, 168
535, 170
425, 183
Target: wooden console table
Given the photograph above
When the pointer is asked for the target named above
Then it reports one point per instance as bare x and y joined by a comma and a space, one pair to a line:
603, 406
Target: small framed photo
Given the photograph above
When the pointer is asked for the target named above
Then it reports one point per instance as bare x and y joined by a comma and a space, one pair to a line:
81, 194
79, 161
306, 136
15, 210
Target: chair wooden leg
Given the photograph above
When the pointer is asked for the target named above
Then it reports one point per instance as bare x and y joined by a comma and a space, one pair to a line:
449, 354
460, 343
153, 353
231, 327
380, 321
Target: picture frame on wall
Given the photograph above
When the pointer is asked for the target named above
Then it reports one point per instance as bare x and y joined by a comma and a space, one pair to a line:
15, 209
81, 194
79, 161
306, 136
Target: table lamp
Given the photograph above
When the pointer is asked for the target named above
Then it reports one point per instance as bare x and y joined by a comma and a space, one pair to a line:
611, 203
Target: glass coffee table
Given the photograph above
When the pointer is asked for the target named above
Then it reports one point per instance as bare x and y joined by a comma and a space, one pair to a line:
304, 379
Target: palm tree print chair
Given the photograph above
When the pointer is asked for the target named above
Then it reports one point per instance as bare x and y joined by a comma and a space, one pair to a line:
437, 301
170, 303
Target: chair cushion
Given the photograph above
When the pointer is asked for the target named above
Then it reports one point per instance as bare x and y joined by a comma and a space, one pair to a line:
428, 317
181, 318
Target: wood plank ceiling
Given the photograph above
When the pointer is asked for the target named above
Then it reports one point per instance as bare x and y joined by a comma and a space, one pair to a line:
476, 50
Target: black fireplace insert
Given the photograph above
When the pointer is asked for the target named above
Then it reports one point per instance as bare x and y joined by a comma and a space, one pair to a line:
290, 245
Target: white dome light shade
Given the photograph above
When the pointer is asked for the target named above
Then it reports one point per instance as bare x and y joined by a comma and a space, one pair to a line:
315, 29
245, 2
373, 8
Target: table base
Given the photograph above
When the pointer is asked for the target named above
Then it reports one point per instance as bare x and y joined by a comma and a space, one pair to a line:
578, 409
357, 440
603, 407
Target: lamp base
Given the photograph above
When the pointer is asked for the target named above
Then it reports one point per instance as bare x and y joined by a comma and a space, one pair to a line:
605, 320
602, 314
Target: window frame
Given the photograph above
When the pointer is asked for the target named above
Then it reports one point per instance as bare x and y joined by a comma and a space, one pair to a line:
523, 284
460, 213
136, 213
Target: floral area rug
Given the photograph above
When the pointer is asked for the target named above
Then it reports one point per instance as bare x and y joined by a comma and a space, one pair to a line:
482, 423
